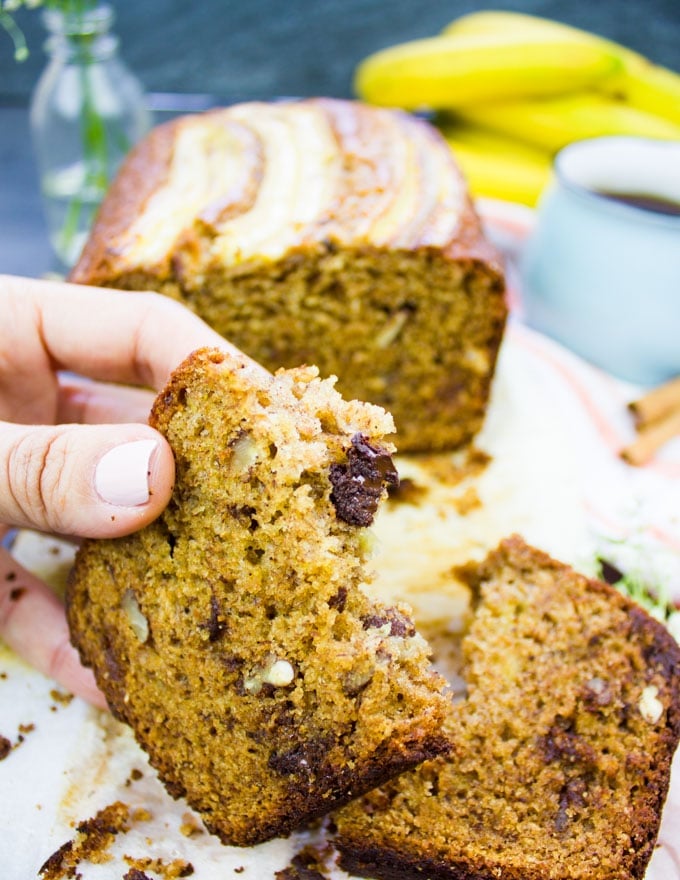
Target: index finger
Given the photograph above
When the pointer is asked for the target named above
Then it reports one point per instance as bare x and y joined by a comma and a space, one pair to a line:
133, 338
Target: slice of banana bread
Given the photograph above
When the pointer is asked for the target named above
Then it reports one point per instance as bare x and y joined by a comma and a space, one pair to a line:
319, 232
232, 634
563, 745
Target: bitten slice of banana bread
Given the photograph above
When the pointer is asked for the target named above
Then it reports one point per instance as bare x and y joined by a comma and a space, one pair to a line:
563, 745
232, 633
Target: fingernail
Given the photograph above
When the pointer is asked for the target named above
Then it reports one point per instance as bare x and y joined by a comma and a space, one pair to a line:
122, 474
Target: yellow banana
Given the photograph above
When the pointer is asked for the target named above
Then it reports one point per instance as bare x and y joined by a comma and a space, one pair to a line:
551, 123
498, 167
651, 88
640, 83
456, 71
492, 21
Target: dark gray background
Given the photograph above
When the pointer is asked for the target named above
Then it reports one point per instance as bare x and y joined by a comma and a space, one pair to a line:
262, 49
241, 50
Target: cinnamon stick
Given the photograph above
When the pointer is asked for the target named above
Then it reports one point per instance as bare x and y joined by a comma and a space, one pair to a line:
657, 404
652, 437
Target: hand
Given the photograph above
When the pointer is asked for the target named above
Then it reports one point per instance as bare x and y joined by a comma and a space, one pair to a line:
103, 478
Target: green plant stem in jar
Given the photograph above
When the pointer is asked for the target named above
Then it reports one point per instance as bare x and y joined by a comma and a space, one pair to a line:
87, 110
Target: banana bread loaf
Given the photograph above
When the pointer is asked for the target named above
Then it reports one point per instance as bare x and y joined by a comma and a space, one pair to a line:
563, 745
233, 633
318, 232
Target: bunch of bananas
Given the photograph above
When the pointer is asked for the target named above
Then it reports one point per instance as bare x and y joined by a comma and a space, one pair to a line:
510, 89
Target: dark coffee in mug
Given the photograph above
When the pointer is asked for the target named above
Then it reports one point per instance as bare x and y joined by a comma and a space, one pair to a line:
656, 204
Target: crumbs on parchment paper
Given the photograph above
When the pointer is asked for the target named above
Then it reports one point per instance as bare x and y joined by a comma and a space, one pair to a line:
453, 470
6, 745
308, 864
134, 874
60, 697
467, 501
135, 776
190, 826
93, 838
168, 870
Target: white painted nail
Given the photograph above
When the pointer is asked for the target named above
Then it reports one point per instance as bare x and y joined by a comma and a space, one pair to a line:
122, 474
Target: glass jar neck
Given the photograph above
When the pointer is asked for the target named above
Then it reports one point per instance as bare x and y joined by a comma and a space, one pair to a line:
80, 32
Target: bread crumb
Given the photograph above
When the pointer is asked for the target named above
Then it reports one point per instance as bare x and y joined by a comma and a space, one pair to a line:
93, 838
305, 865
134, 874
5, 747
61, 697
135, 776
168, 870
189, 826
468, 501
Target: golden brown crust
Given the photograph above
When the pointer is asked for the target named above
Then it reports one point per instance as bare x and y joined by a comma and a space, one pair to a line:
563, 747
144, 170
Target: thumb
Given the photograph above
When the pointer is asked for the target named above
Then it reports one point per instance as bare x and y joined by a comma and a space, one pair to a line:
91, 481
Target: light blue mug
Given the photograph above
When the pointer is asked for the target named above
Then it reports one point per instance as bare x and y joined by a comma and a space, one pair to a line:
601, 271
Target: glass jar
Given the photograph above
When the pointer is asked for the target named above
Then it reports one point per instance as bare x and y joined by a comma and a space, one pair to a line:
87, 110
